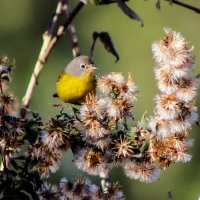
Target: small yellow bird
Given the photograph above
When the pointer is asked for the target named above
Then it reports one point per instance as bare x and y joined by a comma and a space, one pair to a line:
77, 80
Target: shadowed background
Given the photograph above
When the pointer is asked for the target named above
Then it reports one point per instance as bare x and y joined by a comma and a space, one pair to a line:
22, 24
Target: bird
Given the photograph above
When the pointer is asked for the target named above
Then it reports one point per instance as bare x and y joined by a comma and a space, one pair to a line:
77, 80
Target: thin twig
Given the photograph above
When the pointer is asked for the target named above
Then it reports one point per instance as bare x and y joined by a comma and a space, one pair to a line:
54, 21
106, 2
72, 31
47, 36
190, 7
48, 43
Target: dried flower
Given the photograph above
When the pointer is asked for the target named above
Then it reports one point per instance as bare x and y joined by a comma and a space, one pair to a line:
167, 106
48, 155
115, 86
50, 164
114, 192
144, 171
102, 143
92, 123
77, 190
48, 191
175, 112
123, 148
92, 161
170, 149
173, 51
56, 134
188, 88
111, 83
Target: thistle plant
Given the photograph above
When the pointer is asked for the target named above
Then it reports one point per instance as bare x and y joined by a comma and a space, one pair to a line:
101, 134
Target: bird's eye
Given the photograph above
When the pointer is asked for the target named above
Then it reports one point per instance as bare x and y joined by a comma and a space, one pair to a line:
82, 66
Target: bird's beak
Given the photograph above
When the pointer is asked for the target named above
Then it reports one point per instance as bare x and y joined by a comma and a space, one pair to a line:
92, 67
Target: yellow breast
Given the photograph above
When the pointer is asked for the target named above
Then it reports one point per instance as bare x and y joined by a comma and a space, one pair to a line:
73, 89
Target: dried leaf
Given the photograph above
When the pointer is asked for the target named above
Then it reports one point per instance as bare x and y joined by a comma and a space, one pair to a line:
132, 133
129, 12
142, 123
107, 42
145, 146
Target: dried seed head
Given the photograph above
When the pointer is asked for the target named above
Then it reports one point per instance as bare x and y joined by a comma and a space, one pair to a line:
167, 106
188, 89
123, 148
170, 149
111, 83
55, 135
79, 189
115, 84
143, 171
48, 191
47, 166
93, 124
172, 50
114, 192
92, 161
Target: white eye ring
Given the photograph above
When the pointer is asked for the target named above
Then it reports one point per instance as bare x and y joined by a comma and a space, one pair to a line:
82, 66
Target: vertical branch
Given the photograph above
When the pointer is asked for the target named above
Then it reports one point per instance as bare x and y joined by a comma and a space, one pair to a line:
55, 19
48, 43
38, 67
47, 37
72, 31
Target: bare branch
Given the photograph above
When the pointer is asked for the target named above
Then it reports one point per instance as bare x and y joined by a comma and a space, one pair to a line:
197, 10
56, 16
47, 46
72, 31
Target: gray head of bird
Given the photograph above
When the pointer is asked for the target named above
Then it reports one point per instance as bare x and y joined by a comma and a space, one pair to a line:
79, 66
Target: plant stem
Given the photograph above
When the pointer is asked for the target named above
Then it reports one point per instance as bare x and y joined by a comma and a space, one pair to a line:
190, 7
105, 183
72, 31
